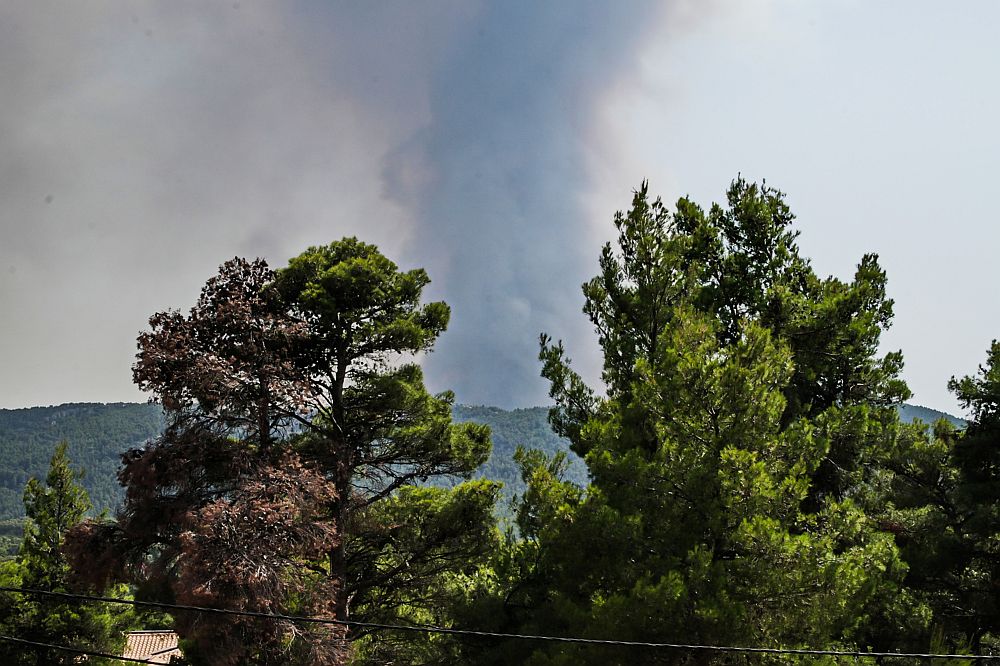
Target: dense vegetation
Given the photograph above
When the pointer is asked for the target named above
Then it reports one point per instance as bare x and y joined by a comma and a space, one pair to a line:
97, 435
731, 451
36, 431
748, 473
287, 478
111, 429
52, 507
525, 428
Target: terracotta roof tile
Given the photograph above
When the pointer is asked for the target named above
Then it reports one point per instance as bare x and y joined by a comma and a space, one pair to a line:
157, 646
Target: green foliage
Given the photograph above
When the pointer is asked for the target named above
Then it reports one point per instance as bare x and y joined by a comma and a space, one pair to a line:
434, 543
946, 512
97, 434
377, 432
732, 456
51, 508
513, 429
360, 299
509, 429
11, 533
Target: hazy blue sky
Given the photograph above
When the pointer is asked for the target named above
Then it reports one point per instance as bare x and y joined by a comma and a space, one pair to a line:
142, 144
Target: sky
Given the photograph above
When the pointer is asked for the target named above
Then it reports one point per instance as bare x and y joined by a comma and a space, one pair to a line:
143, 144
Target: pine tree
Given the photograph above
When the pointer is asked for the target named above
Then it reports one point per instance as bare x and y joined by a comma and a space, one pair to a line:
52, 508
287, 479
946, 513
731, 454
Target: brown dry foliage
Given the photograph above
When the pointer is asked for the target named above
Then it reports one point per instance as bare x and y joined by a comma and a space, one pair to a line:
246, 544
219, 511
231, 361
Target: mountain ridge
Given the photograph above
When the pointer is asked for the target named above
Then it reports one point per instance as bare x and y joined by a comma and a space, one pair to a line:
98, 433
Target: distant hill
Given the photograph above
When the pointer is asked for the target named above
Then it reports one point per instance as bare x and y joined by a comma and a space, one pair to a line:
910, 413
98, 433
525, 427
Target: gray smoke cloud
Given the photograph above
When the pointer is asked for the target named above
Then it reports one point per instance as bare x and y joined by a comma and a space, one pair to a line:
142, 144
505, 155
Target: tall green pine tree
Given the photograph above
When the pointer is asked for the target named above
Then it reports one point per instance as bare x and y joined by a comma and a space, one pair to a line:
945, 510
731, 454
51, 508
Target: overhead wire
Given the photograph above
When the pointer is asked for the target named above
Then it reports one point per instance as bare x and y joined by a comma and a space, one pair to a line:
423, 628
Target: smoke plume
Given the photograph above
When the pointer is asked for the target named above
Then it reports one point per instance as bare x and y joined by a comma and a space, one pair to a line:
142, 144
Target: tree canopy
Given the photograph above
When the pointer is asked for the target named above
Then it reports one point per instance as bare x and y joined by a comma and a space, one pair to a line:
945, 511
284, 480
52, 507
730, 452
748, 479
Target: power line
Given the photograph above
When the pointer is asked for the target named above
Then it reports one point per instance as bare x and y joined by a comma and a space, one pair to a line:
89, 653
430, 629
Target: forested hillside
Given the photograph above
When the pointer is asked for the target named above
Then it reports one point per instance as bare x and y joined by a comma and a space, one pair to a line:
908, 413
97, 435
528, 428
